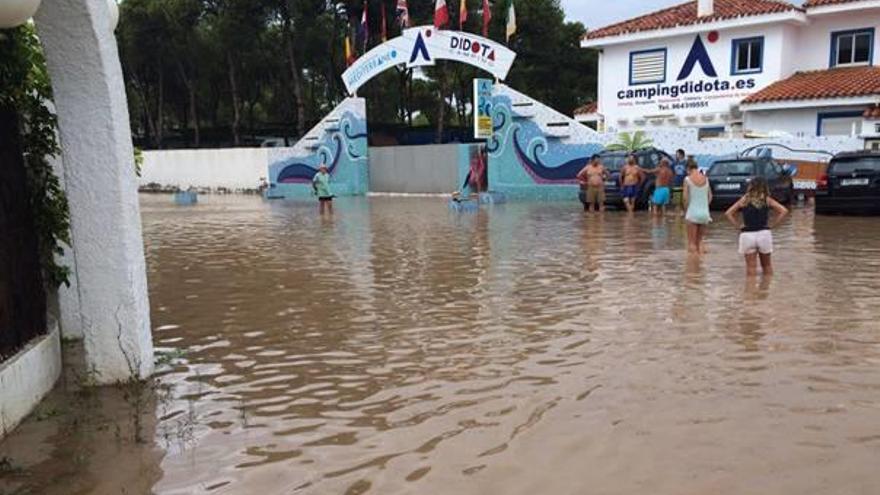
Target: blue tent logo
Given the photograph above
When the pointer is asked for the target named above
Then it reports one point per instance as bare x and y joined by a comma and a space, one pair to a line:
698, 55
420, 49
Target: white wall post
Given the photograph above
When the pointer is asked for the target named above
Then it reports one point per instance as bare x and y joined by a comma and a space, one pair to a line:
90, 99
705, 8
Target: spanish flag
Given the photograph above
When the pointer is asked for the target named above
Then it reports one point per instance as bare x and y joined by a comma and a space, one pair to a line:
462, 14
349, 54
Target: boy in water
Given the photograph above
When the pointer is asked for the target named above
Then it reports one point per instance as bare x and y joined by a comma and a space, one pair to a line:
592, 180
631, 178
321, 186
663, 186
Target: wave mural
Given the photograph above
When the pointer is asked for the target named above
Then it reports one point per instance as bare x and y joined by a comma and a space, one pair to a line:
342, 147
526, 163
301, 173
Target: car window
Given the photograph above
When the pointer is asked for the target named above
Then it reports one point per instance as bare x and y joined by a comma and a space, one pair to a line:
850, 166
743, 168
613, 163
649, 161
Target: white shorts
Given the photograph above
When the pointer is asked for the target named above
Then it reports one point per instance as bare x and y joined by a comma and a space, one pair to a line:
756, 242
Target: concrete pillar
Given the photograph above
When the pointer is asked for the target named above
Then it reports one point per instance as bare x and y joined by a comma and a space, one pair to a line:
99, 175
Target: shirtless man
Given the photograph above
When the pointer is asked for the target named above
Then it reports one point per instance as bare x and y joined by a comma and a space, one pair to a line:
592, 181
631, 178
662, 186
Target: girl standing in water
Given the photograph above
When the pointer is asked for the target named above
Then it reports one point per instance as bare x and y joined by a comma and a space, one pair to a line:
321, 186
697, 198
756, 236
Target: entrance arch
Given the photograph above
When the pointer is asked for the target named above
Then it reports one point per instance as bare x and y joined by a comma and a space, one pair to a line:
340, 139
422, 46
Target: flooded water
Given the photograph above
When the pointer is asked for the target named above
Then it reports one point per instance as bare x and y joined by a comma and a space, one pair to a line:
399, 348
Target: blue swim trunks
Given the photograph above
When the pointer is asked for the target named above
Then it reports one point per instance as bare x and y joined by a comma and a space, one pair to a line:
630, 192
662, 195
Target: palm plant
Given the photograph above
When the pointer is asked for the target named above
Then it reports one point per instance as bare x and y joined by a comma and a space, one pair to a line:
631, 142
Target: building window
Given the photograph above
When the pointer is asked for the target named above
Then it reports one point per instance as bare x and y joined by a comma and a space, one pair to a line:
839, 124
852, 48
710, 133
647, 67
748, 56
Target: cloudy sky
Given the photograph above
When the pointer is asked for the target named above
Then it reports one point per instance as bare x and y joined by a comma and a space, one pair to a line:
598, 13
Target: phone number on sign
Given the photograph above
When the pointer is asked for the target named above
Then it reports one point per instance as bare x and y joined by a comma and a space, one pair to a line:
690, 104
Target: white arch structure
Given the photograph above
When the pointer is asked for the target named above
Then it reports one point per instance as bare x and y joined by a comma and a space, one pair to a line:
423, 46
109, 307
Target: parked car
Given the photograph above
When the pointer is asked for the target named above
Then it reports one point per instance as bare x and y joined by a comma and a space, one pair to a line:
729, 180
851, 184
648, 158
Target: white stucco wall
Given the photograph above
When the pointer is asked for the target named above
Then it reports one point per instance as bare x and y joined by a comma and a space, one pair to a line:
615, 75
814, 41
238, 168
799, 122
68, 295
89, 94
789, 47
27, 377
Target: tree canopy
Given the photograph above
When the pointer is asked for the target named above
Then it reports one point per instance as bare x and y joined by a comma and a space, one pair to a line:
224, 72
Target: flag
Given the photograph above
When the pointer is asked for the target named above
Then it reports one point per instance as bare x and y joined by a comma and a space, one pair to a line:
365, 27
511, 22
462, 14
402, 14
487, 18
349, 53
441, 14
384, 25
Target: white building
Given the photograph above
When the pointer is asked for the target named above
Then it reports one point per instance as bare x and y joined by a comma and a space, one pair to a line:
743, 67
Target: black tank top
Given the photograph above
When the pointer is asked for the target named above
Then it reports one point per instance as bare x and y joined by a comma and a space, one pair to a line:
756, 219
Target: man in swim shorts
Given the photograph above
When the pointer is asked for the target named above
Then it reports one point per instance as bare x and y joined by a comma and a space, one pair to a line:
662, 186
631, 178
592, 181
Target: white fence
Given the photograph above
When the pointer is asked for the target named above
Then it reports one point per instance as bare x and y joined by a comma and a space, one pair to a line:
235, 169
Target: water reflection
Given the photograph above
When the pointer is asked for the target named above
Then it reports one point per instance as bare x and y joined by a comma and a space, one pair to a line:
530, 348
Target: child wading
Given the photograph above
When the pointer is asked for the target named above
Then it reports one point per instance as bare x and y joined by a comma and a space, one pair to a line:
321, 185
662, 187
697, 198
756, 236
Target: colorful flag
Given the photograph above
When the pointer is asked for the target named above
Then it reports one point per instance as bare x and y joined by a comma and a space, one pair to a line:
365, 27
511, 22
402, 14
349, 53
487, 18
462, 14
384, 24
441, 14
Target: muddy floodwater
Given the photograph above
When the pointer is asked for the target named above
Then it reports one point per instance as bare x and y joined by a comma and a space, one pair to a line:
398, 348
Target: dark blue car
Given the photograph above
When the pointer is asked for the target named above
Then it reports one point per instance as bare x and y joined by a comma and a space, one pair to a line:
851, 185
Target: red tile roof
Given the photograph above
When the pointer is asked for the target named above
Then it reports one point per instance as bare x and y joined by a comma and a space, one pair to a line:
686, 15
819, 3
591, 107
872, 113
821, 84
